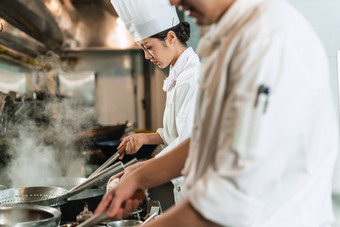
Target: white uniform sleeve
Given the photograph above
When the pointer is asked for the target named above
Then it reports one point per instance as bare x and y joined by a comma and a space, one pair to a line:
184, 109
223, 201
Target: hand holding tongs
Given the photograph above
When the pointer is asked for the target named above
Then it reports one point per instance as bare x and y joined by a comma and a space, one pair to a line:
108, 162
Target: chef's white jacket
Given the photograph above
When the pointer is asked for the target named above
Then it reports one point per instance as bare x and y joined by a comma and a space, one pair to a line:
263, 159
181, 88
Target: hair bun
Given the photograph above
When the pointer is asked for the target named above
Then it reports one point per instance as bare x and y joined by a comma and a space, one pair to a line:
185, 31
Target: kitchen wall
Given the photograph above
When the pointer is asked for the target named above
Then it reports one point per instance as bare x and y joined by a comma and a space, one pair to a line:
324, 16
13, 78
118, 87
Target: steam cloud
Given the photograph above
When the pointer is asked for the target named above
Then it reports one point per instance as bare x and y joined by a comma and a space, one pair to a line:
46, 149
39, 152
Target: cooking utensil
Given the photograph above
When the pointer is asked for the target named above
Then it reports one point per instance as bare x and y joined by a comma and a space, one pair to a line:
55, 196
20, 215
110, 160
102, 216
150, 218
108, 172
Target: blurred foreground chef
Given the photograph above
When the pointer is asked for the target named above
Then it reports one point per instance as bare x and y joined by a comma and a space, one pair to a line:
265, 135
156, 28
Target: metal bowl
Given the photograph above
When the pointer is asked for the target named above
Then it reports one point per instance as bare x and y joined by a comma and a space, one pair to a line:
20, 215
124, 223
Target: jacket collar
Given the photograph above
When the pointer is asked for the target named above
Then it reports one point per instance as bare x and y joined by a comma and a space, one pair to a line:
231, 18
176, 69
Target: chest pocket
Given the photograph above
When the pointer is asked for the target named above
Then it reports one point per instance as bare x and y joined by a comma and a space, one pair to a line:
245, 117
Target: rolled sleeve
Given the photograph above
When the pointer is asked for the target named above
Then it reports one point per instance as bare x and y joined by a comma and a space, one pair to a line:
213, 191
160, 131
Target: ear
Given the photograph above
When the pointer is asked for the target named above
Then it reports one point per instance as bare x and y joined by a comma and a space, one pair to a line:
171, 37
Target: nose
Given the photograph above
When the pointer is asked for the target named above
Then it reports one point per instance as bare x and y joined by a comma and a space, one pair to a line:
147, 55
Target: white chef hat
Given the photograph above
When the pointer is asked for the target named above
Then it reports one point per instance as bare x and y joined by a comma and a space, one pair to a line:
145, 18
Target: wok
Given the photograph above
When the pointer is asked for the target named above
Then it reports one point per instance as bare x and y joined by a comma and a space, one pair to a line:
102, 133
62, 182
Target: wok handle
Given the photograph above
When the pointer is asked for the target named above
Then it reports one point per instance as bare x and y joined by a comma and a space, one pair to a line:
102, 216
122, 150
108, 162
131, 162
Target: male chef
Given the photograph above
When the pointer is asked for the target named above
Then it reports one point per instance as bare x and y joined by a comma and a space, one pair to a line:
265, 136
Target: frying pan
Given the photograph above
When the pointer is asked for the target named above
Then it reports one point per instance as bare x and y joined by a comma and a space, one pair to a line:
55, 196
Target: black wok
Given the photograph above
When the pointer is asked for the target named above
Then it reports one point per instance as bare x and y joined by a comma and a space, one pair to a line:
102, 133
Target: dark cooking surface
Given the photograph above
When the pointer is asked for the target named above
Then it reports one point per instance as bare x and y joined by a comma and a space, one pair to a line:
75, 205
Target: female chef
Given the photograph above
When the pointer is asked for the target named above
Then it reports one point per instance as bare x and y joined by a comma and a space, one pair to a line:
155, 27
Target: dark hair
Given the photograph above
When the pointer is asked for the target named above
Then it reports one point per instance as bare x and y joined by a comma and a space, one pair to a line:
182, 31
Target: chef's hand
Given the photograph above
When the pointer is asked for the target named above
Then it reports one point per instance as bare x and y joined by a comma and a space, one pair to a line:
117, 201
133, 143
114, 180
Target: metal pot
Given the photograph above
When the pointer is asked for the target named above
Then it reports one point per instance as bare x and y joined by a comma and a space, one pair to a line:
124, 223
28, 215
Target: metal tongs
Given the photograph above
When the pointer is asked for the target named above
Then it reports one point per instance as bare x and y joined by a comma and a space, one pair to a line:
108, 162
108, 172
102, 216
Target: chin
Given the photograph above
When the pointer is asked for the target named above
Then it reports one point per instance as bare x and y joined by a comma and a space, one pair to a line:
161, 66
204, 22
